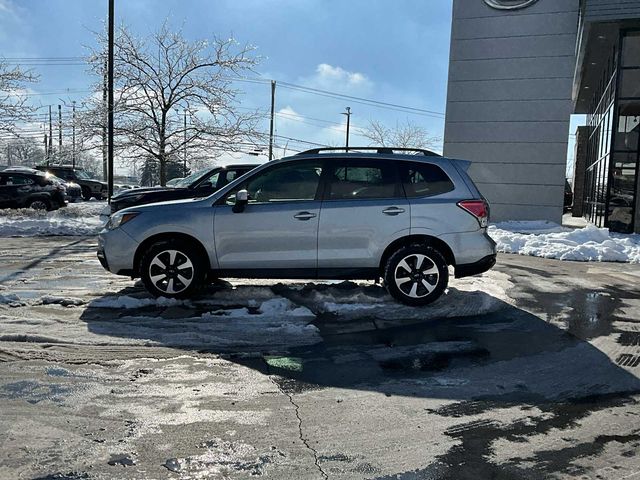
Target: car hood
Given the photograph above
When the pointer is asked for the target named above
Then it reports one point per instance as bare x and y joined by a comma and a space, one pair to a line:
134, 192
165, 204
94, 182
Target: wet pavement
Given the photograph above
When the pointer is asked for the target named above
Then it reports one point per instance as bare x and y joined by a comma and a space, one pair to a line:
528, 372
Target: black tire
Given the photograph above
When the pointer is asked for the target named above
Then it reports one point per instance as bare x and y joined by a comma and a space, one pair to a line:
187, 264
40, 204
416, 286
86, 193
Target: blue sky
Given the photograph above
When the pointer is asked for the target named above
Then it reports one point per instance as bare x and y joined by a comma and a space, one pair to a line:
392, 51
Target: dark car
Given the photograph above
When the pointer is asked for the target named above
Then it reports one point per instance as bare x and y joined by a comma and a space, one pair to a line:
199, 184
73, 190
568, 196
30, 189
90, 187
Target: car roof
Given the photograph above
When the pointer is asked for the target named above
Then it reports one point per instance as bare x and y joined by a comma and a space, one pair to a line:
381, 153
58, 167
21, 170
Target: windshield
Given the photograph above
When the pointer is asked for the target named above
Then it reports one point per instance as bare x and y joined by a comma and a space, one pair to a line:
186, 181
82, 174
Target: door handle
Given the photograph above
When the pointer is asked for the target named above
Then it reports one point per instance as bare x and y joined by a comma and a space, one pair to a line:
305, 216
393, 211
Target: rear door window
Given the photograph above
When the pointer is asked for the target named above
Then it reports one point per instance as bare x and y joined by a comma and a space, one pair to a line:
17, 180
360, 179
424, 179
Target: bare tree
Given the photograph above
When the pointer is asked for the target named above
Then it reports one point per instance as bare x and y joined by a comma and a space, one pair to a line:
157, 81
13, 100
405, 135
25, 152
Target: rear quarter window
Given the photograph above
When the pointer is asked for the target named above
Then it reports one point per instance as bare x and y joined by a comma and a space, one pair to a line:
424, 180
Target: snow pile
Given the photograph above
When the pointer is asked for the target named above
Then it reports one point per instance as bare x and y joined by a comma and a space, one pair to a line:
469, 296
275, 307
549, 240
75, 219
128, 302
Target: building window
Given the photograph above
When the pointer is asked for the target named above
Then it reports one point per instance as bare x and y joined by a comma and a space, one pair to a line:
614, 140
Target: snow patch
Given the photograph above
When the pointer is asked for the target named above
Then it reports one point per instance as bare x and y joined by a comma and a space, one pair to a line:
64, 301
75, 219
9, 298
550, 240
128, 302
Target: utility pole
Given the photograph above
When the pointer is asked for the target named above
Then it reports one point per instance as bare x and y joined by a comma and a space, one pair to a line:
8, 155
60, 130
46, 149
273, 108
50, 133
105, 163
185, 142
73, 134
110, 101
348, 114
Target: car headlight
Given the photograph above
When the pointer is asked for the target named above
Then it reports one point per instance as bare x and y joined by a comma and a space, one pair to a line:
118, 219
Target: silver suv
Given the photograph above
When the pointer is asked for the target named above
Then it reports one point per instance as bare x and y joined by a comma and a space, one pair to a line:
364, 213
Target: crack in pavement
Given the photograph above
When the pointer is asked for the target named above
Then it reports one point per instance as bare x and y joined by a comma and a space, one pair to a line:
296, 407
313, 450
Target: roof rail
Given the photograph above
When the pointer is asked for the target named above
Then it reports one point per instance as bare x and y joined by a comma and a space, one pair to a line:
378, 150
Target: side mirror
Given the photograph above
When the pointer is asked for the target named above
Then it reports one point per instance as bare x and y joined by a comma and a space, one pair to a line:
242, 198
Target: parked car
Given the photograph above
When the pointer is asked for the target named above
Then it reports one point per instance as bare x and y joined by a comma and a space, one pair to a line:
568, 196
200, 184
324, 213
28, 188
72, 190
90, 187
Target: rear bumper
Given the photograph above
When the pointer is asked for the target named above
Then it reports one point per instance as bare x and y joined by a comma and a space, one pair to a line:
476, 268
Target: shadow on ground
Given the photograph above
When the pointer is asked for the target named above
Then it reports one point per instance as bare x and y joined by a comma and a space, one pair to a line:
477, 364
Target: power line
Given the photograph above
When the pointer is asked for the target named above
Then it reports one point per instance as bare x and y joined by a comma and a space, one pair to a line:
292, 86
342, 96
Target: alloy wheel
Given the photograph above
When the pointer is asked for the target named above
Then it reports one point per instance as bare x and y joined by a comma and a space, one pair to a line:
39, 205
171, 271
416, 275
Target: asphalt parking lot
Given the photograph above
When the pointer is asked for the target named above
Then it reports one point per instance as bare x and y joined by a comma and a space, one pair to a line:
529, 372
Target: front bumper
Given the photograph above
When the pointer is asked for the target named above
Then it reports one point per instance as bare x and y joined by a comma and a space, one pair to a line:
476, 268
102, 258
116, 251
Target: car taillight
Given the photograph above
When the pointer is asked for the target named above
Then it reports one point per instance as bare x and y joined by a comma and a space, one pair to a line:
477, 208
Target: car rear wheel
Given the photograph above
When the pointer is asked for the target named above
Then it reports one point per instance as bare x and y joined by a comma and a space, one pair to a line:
39, 204
416, 274
172, 269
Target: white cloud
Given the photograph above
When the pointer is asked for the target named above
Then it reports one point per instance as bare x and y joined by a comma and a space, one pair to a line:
335, 78
288, 114
326, 71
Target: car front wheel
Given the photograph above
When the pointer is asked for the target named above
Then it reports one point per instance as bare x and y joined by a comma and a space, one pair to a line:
40, 204
172, 269
86, 193
416, 275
